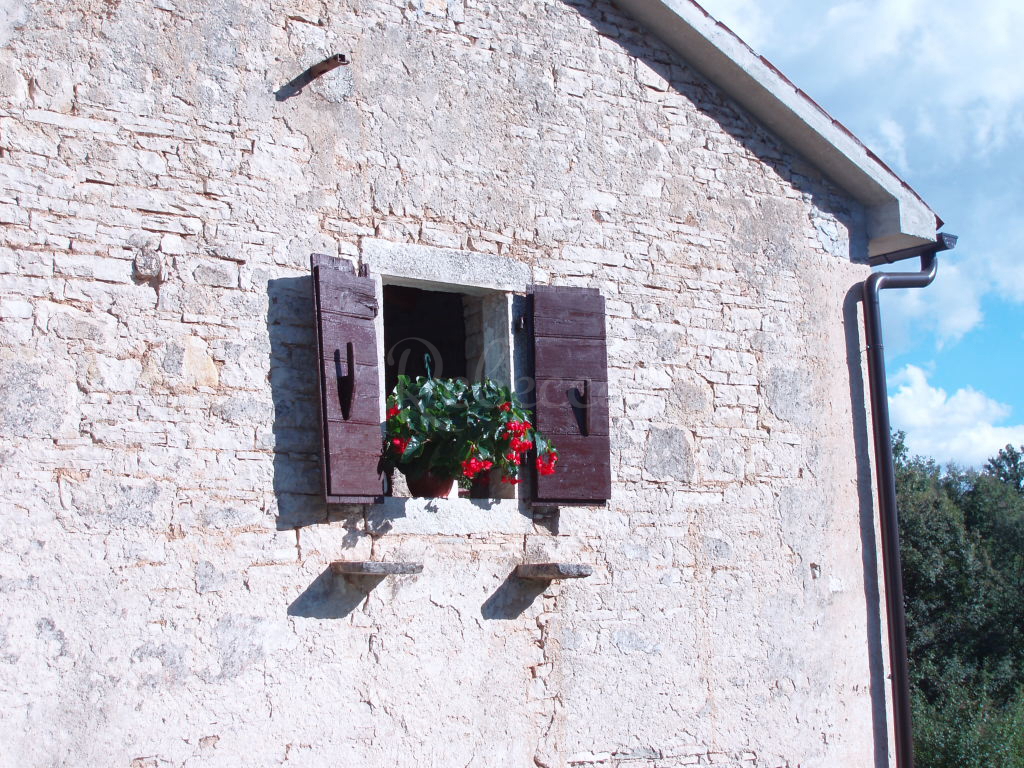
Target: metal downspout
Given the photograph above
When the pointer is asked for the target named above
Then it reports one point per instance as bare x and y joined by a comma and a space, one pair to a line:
886, 477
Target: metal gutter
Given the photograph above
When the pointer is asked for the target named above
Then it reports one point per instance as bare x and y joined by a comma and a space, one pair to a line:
886, 476
943, 242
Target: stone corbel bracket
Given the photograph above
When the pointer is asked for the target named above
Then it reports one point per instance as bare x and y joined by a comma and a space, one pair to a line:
373, 568
553, 571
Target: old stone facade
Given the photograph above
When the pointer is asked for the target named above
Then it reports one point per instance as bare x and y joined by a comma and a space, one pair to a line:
164, 592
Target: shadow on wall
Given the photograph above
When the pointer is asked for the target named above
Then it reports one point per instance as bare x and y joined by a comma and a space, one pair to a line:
868, 545
333, 597
295, 393
512, 598
756, 228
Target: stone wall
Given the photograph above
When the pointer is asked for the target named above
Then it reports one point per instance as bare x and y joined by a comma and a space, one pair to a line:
164, 592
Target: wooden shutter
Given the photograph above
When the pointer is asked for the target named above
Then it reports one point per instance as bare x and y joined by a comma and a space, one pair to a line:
346, 308
571, 395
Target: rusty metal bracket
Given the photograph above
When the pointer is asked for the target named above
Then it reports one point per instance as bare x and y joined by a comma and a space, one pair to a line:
294, 87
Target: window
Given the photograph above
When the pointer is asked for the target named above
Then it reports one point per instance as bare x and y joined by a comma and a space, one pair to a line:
464, 309
464, 335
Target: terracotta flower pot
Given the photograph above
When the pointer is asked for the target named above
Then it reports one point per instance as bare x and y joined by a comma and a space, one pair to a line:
428, 485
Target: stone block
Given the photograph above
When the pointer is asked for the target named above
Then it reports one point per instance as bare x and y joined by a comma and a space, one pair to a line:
438, 265
147, 266
173, 245
109, 374
669, 454
36, 400
553, 571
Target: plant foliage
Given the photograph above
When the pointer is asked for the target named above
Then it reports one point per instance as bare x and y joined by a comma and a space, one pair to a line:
962, 545
453, 428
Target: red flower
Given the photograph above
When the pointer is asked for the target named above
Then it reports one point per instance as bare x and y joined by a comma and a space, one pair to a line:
513, 458
472, 467
521, 446
517, 428
510, 480
393, 411
506, 407
546, 465
400, 443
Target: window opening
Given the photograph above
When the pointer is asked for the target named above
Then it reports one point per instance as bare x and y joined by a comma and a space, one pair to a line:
417, 323
466, 336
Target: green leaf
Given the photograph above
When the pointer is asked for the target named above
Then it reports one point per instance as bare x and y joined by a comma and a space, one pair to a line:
414, 448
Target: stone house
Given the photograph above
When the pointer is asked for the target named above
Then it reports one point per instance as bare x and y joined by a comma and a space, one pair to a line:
166, 172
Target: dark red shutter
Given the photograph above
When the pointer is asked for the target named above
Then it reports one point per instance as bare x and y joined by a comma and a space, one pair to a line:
346, 308
571, 396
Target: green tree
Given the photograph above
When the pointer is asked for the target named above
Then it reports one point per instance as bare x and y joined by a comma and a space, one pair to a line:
962, 542
947, 581
965, 732
1008, 467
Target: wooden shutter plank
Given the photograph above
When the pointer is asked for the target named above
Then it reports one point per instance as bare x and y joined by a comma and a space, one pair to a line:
582, 474
563, 407
346, 307
365, 407
575, 323
341, 329
553, 300
356, 449
570, 352
561, 357
345, 297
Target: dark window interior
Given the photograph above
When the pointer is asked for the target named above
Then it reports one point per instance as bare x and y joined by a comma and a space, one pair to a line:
417, 323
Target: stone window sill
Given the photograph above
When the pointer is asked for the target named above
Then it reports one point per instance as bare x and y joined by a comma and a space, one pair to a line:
449, 517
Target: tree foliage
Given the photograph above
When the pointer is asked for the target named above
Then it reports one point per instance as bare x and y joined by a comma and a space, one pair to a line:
962, 544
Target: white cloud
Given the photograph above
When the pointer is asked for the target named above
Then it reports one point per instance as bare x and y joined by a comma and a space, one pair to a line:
948, 309
747, 19
883, 29
961, 428
999, 257
934, 87
894, 143
958, 59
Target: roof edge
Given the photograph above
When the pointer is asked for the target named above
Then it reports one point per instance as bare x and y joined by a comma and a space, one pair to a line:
897, 217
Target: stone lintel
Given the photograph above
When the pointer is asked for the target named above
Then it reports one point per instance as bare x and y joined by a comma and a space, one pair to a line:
444, 269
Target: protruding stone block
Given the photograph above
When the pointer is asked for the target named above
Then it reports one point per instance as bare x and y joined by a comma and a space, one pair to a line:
371, 568
551, 571
147, 266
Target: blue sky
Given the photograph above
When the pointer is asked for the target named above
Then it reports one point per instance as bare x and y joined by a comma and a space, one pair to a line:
936, 88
